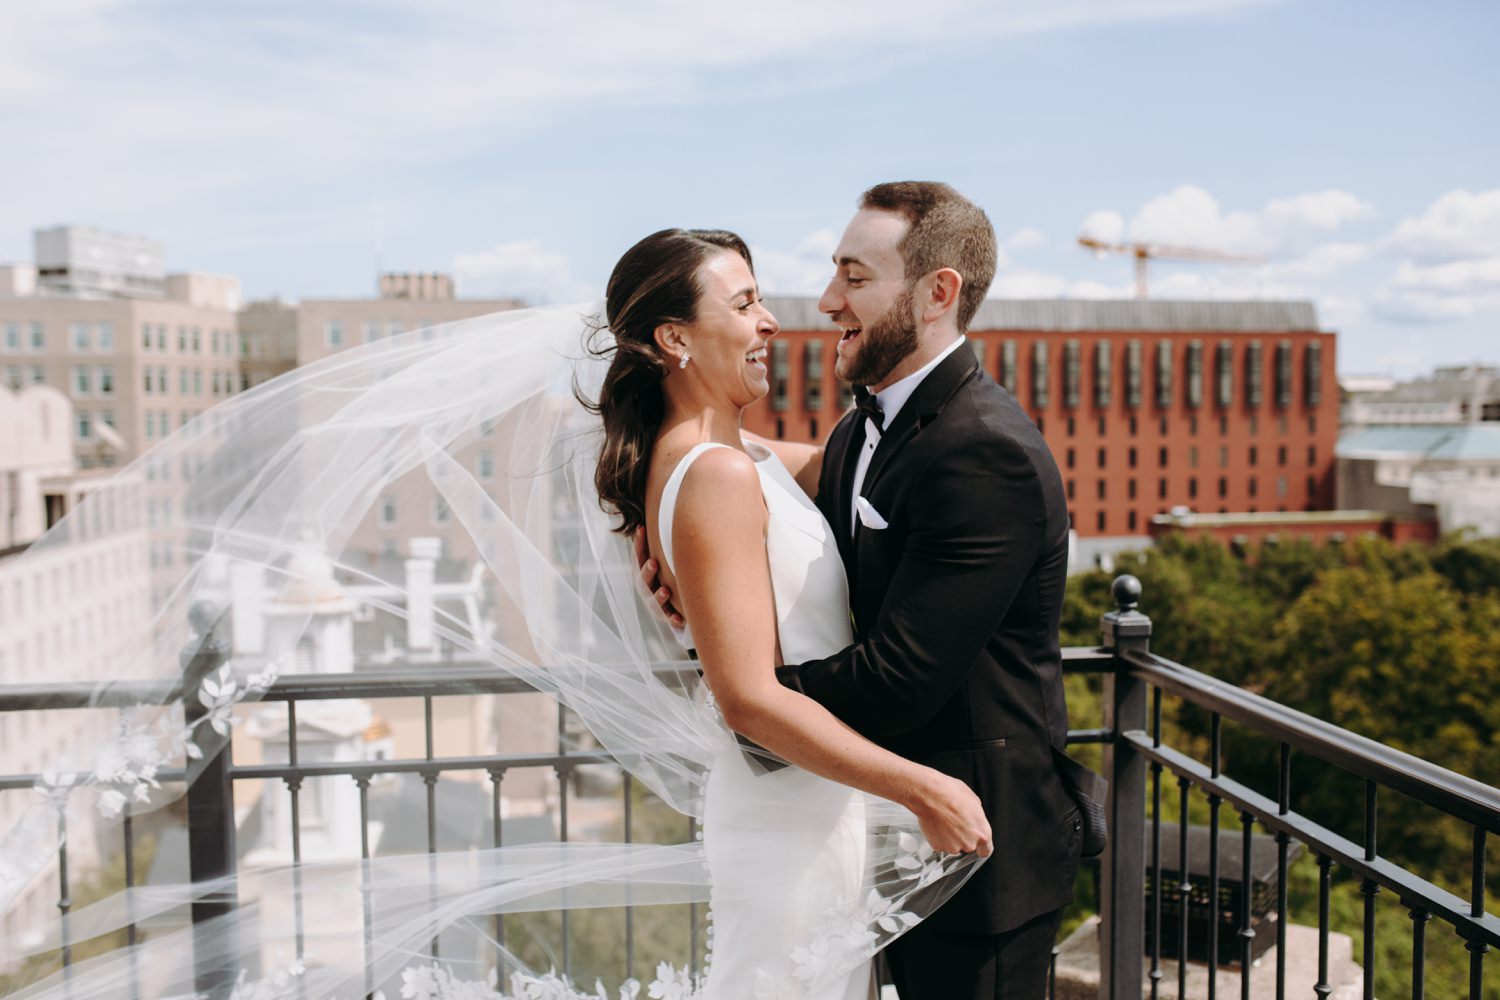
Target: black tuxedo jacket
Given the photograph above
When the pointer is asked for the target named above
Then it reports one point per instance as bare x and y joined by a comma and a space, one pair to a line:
955, 604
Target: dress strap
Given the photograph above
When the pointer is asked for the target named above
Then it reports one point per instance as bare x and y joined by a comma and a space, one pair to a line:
669, 498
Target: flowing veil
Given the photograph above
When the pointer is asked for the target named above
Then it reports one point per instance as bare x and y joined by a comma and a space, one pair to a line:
384, 581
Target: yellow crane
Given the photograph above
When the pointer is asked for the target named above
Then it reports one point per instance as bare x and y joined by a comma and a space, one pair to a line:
1146, 251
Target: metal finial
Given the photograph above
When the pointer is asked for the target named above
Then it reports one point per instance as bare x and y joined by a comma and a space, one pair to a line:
1126, 591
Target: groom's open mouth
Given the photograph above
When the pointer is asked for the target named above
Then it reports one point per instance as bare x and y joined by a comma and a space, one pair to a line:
851, 333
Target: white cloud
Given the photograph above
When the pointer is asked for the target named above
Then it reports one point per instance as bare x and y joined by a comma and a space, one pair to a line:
1459, 224
1190, 216
1105, 225
803, 270
523, 269
1026, 238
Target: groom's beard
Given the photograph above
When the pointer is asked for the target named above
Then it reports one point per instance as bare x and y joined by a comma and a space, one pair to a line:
884, 343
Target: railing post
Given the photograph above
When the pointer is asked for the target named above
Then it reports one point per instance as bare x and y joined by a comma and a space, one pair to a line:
210, 803
1122, 942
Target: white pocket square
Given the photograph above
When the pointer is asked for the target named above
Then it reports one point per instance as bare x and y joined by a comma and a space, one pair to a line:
868, 515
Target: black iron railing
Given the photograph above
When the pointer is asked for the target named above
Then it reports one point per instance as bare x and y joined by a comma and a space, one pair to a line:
1136, 758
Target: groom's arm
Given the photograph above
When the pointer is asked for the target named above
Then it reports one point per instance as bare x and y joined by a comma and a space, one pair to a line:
978, 520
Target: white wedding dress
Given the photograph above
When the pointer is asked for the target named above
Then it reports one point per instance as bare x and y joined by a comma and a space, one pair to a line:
786, 849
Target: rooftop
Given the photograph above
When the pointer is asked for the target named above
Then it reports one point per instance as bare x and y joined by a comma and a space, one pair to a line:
1465, 443
1126, 315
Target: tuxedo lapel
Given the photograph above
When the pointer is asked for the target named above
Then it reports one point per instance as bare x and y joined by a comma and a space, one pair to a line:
838, 468
926, 402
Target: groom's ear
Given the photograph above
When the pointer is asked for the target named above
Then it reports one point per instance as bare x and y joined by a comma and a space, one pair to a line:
939, 294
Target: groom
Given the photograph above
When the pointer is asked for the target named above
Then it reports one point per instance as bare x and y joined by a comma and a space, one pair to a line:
951, 519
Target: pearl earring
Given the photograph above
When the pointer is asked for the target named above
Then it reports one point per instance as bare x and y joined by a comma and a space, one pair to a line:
683, 362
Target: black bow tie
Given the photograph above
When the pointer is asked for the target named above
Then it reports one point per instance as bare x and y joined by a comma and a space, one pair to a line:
866, 403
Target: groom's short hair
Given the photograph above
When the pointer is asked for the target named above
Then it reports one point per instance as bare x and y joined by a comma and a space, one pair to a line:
947, 230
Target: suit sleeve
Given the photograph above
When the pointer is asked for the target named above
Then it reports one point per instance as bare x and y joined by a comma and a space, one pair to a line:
978, 524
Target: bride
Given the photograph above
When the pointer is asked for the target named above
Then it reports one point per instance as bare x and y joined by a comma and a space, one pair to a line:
809, 869
761, 582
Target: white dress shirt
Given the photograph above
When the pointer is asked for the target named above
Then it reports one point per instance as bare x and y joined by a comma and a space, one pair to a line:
891, 399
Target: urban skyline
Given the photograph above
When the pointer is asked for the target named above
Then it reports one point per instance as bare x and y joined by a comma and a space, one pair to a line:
1333, 139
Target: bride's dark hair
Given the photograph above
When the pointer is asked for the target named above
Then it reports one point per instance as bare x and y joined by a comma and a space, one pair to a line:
655, 282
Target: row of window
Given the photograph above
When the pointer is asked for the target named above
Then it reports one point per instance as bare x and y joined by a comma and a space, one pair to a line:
1132, 456
1223, 382
484, 465
1164, 367
1101, 488
221, 343
1283, 425
154, 381
374, 329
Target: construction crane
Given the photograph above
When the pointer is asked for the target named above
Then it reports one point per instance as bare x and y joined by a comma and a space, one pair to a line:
1143, 252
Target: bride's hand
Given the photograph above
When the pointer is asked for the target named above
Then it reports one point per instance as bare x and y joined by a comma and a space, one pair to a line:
952, 816
651, 577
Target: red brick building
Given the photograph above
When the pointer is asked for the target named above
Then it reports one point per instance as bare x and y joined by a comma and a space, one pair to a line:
1214, 406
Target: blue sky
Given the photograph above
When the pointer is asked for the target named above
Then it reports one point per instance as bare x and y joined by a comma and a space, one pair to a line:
1350, 145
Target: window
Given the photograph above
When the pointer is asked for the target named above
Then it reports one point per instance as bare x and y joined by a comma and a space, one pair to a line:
106, 380
1312, 487
182, 340
1312, 454
1072, 458
1161, 489
84, 430
1284, 374
1224, 374
387, 510
1039, 375
372, 330
1223, 458
1072, 426
1193, 487
1223, 487
1164, 375
1010, 369
218, 383
1103, 457
106, 333
13, 376
394, 328
161, 379
333, 334
83, 383
145, 336
1281, 486
1133, 377
197, 341
81, 338
1103, 425
12, 336
1193, 457
1100, 520
1281, 455
1252, 373
1133, 427
197, 381
146, 381
1195, 374
1130, 520
1099, 488
38, 337
1253, 485
161, 336
812, 376
1130, 488
1072, 373
1312, 373
781, 370
439, 510
1070, 489
1161, 457
486, 465
1103, 373
107, 417
1130, 456
38, 374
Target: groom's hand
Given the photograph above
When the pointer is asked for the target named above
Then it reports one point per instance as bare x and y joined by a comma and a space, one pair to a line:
651, 577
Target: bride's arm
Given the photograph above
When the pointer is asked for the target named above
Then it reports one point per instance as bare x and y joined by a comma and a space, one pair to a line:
805, 461
724, 585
